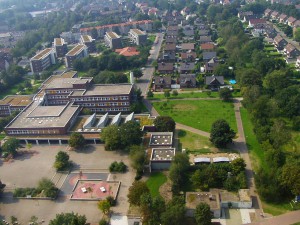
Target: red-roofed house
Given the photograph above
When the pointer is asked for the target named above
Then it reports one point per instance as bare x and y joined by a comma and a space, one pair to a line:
291, 51
283, 18
267, 13
291, 20
128, 51
207, 47
255, 22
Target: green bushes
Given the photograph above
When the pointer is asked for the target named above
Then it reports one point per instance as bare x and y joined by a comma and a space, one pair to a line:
45, 188
117, 167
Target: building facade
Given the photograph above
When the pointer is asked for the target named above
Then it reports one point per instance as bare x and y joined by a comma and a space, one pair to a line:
42, 60
89, 42
78, 52
137, 36
60, 47
113, 40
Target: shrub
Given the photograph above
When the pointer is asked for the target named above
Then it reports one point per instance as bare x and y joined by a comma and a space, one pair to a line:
117, 167
103, 222
111, 200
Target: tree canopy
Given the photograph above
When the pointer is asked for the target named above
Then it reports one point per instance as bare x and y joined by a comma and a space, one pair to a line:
164, 124
77, 140
68, 218
221, 134
203, 214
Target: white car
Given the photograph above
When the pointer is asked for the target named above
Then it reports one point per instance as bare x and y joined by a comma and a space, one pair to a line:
102, 189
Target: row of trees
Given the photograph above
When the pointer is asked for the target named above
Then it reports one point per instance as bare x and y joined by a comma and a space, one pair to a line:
271, 96
156, 211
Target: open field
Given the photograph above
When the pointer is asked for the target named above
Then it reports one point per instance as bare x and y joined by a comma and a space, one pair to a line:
199, 114
155, 180
194, 142
187, 95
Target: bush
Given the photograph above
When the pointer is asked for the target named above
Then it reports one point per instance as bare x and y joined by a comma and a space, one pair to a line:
117, 167
174, 92
62, 161
111, 200
103, 222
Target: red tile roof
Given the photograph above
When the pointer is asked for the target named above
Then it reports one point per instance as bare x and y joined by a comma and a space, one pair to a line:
207, 46
128, 51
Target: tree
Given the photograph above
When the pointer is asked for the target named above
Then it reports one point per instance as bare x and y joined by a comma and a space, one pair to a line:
137, 73
297, 34
174, 92
103, 222
11, 146
104, 206
164, 124
135, 192
68, 218
111, 136
238, 165
47, 187
61, 161
150, 94
167, 94
94, 33
130, 133
137, 157
279, 134
225, 94
290, 177
175, 212
76, 140
221, 134
203, 214
178, 170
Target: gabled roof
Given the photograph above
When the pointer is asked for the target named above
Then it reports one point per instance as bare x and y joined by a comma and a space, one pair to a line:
278, 39
257, 21
275, 13
165, 66
213, 80
187, 55
170, 47
291, 19
207, 46
128, 51
282, 16
163, 80
188, 66
185, 78
289, 48
209, 55
187, 46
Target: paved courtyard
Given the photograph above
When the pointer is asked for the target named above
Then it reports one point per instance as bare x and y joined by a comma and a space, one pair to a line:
29, 168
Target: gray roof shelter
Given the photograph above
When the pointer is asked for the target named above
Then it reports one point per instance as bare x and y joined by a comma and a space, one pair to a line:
116, 120
103, 121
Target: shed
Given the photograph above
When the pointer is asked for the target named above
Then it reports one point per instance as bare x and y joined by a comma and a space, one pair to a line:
221, 159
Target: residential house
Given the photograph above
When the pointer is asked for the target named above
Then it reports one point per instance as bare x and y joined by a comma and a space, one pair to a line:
291, 20
188, 31
280, 42
185, 11
241, 15
214, 82
162, 82
153, 12
167, 57
254, 22
211, 65
187, 81
275, 15
165, 68
283, 18
271, 33
199, 24
187, 47
170, 48
203, 32
189, 56
291, 51
172, 33
208, 56
207, 47
296, 24
173, 28
204, 39
267, 13
187, 67
128, 51
171, 40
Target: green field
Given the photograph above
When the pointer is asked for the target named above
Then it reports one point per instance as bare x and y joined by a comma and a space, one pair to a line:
187, 95
199, 114
256, 153
194, 143
154, 182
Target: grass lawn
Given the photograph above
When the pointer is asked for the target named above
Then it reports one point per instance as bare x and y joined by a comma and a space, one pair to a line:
256, 153
187, 95
276, 209
199, 114
154, 182
2, 136
194, 143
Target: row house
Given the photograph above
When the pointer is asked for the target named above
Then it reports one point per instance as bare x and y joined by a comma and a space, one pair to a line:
283, 18
189, 56
291, 21
122, 28
165, 68
162, 82
267, 13
187, 67
207, 47
280, 42
255, 22
275, 15
187, 47
291, 51
187, 81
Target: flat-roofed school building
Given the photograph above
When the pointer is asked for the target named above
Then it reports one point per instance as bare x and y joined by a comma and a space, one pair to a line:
78, 52
42, 60
137, 36
14, 103
113, 40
